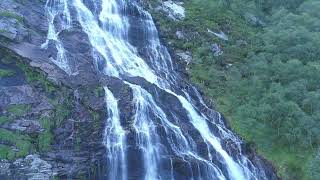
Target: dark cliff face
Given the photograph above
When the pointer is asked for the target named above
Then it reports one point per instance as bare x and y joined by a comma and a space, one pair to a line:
70, 142
58, 117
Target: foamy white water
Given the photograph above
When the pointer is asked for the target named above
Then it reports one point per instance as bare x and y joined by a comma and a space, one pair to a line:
159, 139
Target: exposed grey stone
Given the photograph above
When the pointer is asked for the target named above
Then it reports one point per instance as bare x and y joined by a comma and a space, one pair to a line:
43, 105
33, 167
7, 28
5, 168
17, 95
185, 56
254, 20
24, 125
216, 49
180, 35
174, 10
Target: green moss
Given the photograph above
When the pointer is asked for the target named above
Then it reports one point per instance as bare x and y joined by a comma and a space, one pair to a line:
99, 91
62, 111
6, 152
21, 142
6, 73
45, 138
13, 15
18, 110
4, 119
96, 118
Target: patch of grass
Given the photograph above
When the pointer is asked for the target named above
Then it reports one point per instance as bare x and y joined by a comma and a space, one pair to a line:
6, 73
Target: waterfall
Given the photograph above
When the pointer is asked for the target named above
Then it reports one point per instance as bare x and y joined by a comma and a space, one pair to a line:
114, 140
54, 9
165, 140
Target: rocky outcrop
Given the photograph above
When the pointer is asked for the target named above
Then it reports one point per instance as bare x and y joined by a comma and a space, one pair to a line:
216, 49
64, 124
185, 56
12, 29
28, 26
40, 100
173, 10
24, 126
17, 95
32, 167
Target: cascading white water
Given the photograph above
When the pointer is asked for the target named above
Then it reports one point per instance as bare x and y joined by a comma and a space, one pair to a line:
147, 138
108, 33
58, 8
114, 140
110, 40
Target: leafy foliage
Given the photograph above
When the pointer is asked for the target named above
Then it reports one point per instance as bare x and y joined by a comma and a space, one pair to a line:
271, 93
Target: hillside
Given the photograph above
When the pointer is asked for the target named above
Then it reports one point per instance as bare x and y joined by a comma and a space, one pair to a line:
258, 61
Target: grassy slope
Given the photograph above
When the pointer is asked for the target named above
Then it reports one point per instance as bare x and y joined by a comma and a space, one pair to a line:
226, 86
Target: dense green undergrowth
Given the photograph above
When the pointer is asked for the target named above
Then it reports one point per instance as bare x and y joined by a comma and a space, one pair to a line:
267, 80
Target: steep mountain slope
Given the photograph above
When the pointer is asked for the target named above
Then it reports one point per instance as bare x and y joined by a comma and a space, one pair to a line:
258, 62
88, 91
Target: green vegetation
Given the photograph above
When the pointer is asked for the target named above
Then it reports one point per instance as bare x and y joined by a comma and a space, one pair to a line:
18, 110
270, 93
45, 138
17, 144
13, 15
6, 73
11, 141
99, 91
4, 119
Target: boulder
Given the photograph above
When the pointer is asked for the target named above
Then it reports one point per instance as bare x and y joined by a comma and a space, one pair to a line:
216, 49
174, 10
185, 56
180, 35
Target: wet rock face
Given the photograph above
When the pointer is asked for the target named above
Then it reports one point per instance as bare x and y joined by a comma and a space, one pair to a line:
24, 126
16, 95
25, 29
36, 108
77, 113
12, 29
